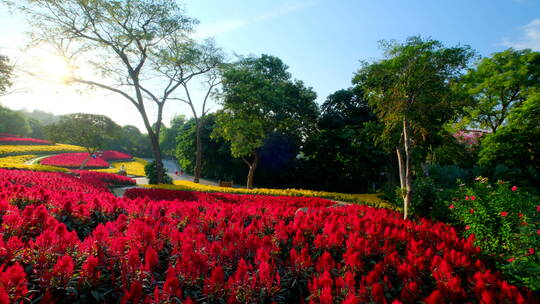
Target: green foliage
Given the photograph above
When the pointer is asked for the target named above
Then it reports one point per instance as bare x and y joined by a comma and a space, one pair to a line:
498, 84
505, 221
218, 163
13, 122
167, 138
448, 176
260, 98
414, 82
513, 152
429, 199
151, 174
132, 141
340, 155
91, 131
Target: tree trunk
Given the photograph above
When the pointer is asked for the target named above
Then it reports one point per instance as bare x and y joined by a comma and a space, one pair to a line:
401, 166
157, 156
251, 171
83, 164
408, 170
198, 156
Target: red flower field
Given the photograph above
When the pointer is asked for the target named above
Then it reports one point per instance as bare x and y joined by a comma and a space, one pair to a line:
66, 238
74, 160
110, 155
12, 140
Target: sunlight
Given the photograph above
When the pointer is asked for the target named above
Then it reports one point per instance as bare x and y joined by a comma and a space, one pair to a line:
53, 68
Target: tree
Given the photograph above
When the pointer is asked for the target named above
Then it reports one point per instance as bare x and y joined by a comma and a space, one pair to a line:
340, 155
13, 122
513, 152
124, 43
498, 84
6, 72
131, 141
206, 61
218, 162
88, 130
168, 136
411, 92
259, 99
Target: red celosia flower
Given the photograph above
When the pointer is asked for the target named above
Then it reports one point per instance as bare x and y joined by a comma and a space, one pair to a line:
473, 197
451, 206
531, 251
467, 227
466, 197
511, 260
514, 188
538, 208
471, 211
326, 296
64, 267
504, 213
151, 258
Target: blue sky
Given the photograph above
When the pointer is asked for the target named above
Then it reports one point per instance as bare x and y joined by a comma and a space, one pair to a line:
321, 40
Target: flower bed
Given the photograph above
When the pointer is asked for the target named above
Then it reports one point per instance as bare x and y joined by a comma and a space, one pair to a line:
18, 162
40, 149
367, 199
134, 167
8, 135
110, 155
22, 141
66, 239
74, 160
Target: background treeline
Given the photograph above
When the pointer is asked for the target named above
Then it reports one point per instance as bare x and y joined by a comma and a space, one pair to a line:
487, 124
32, 123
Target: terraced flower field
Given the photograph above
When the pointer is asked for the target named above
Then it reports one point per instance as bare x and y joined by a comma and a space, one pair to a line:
17, 156
68, 239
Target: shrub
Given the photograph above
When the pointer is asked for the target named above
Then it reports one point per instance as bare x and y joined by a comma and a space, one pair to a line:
505, 223
151, 174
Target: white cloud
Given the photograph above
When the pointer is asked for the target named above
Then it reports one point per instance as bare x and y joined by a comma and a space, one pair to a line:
530, 37
224, 26
220, 27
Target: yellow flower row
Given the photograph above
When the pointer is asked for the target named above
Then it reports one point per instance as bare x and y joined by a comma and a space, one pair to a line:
18, 162
364, 199
38, 149
17, 159
135, 167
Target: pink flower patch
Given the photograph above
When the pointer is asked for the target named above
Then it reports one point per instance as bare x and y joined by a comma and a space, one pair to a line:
504, 213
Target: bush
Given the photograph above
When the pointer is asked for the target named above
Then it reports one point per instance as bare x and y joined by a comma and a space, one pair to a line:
151, 174
505, 222
429, 199
447, 176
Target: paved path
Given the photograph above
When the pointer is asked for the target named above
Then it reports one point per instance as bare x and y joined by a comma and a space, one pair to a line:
36, 160
172, 167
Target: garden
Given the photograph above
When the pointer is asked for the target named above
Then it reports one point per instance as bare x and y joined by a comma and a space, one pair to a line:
231, 181
65, 238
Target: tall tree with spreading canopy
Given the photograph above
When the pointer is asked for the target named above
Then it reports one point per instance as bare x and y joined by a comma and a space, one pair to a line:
88, 130
411, 93
125, 45
207, 59
260, 98
499, 83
